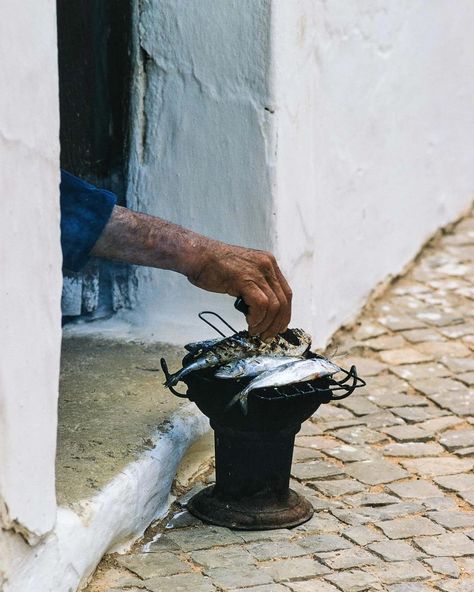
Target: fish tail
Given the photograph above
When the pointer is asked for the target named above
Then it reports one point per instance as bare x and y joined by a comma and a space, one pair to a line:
176, 377
239, 397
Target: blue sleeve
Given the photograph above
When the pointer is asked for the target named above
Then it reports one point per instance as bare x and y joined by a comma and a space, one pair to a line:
85, 210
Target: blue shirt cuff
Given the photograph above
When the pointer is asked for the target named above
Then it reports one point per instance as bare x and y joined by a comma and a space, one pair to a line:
85, 210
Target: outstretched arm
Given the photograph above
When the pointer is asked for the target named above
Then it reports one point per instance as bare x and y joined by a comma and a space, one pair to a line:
209, 264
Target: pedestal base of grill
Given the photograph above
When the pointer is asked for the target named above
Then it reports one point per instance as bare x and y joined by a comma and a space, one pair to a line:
250, 513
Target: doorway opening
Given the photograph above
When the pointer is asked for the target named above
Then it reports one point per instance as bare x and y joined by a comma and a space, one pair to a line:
94, 59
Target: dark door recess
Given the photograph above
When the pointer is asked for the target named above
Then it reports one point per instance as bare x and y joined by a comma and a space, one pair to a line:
94, 82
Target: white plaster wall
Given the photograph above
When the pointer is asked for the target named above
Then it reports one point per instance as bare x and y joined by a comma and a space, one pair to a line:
201, 141
375, 133
30, 266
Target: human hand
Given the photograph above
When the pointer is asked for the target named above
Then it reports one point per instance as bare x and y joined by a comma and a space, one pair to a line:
254, 275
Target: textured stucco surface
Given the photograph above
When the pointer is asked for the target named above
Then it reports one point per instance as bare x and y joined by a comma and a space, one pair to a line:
201, 140
30, 263
375, 140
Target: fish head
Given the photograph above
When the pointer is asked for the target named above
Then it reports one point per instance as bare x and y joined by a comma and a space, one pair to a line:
297, 337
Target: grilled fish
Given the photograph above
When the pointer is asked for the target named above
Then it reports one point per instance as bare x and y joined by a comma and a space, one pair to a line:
242, 345
197, 346
251, 367
287, 374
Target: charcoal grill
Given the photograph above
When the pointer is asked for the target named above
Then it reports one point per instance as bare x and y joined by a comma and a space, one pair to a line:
253, 451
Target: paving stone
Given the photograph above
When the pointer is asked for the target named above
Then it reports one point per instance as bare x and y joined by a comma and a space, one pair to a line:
404, 528
408, 433
228, 577
183, 519
409, 587
309, 428
439, 349
147, 565
371, 499
223, 557
440, 318
417, 414
324, 543
359, 405
359, 435
353, 580
301, 454
265, 588
429, 467
439, 504
375, 472
316, 442
467, 378
180, 583
381, 419
363, 535
460, 482
321, 522
369, 331
420, 371
405, 355
349, 558
452, 519
348, 453
446, 545
395, 550
292, 569
366, 366
389, 400
459, 401
329, 426
415, 489
273, 550
457, 439
444, 565
160, 542
385, 342
400, 322
466, 564
467, 496
465, 451
392, 511
338, 487
402, 571
315, 470
422, 335
440, 424
413, 450
193, 539
459, 365
331, 413
250, 536
466, 585
184, 499
317, 585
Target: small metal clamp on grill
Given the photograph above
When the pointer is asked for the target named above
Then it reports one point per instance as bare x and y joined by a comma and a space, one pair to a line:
254, 452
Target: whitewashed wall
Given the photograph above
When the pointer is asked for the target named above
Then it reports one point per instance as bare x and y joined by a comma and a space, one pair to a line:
30, 268
200, 141
339, 134
375, 141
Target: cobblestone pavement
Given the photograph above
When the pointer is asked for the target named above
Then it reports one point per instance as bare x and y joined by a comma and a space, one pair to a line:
388, 470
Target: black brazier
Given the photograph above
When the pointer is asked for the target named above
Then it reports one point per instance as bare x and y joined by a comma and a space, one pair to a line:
253, 452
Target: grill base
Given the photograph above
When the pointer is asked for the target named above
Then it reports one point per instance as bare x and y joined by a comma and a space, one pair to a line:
251, 513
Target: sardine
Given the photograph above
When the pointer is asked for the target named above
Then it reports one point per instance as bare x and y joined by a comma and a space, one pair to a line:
287, 374
251, 367
242, 345
197, 346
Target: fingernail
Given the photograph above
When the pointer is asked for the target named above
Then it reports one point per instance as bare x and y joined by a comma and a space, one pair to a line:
268, 340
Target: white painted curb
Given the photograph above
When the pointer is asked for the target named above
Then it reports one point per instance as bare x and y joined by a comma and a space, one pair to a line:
116, 516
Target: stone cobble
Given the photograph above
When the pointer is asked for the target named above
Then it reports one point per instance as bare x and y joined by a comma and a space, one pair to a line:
389, 470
